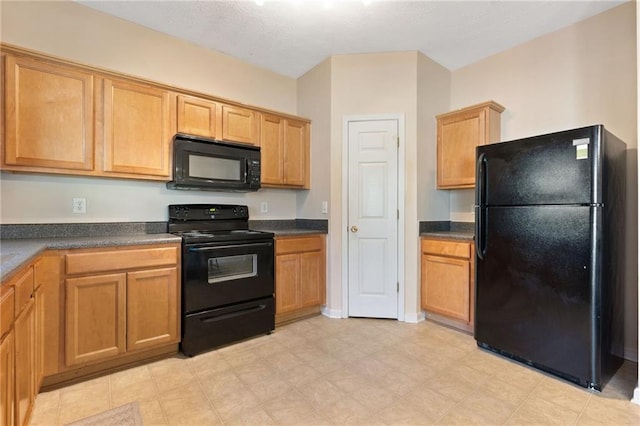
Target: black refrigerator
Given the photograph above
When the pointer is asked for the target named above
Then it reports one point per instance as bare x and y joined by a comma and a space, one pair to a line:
550, 252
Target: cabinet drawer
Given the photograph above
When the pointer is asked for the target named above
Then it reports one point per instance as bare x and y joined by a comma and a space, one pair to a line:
110, 260
447, 248
298, 245
23, 287
6, 309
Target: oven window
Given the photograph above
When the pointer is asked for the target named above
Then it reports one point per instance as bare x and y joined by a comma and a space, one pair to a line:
232, 267
214, 168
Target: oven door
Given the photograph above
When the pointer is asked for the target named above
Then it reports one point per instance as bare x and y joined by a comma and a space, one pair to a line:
219, 274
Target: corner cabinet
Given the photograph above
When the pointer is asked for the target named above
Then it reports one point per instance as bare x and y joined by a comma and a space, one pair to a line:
447, 281
459, 133
300, 275
120, 300
285, 151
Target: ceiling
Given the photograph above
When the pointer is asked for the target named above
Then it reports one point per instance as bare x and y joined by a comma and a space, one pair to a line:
291, 37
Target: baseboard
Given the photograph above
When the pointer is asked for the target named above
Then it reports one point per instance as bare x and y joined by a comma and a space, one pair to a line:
414, 317
331, 313
636, 396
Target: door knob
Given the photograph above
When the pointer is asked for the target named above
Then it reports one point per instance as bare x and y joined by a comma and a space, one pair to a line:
354, 229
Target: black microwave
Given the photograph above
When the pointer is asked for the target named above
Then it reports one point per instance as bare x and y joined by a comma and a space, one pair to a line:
211, 165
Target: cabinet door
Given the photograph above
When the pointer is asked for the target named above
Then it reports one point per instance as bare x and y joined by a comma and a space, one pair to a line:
296, 166
445, 286
152, 308
312, 274
458, 137
287, 283
139, 124
7, 380
24, 329
49, 116
239, 125
95, 318
197, 116
50, 311
271, 149
40, 297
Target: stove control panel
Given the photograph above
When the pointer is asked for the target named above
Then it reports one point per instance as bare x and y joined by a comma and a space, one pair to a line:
184, 212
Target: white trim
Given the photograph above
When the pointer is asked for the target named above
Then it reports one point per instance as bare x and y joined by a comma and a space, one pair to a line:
415, 317
636, 396
345, 206
331, 313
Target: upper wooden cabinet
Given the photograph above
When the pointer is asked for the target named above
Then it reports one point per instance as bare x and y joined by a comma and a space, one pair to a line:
66, 118
285, 151
240, 125
49, 116
211, 119
139, 125
459, 133
197, 116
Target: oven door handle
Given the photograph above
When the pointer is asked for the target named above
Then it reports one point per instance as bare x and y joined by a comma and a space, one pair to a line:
212, 248
234, 314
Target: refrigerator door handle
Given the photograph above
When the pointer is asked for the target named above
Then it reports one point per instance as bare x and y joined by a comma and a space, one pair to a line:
481, 174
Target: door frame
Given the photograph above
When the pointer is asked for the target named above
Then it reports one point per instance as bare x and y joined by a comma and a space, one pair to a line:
345, 206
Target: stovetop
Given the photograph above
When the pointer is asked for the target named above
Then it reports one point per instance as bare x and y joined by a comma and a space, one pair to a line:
209, 223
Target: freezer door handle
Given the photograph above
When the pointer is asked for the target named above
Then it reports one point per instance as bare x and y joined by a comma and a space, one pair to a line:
481, 175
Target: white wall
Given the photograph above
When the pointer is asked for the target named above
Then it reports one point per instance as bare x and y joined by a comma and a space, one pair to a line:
75, 32
581, 75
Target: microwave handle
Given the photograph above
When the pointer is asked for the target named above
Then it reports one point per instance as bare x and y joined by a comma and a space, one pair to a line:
246, 169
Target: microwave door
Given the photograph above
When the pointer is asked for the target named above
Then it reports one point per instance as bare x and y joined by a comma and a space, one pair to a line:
215, 166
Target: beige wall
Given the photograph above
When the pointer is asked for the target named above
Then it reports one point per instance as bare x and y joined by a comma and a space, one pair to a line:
314, 100
581, 75
374, 84
434, 82
81, 34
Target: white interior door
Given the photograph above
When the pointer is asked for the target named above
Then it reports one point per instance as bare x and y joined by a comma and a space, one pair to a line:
373, 218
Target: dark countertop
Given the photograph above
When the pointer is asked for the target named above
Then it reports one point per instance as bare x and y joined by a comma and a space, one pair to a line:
15, 253
22, 243
449, 235
283, 232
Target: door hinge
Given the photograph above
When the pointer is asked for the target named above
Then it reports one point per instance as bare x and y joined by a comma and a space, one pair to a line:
398, 141
398, 287
398, 214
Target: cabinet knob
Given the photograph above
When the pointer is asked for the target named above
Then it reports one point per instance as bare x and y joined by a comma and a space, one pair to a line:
354, 229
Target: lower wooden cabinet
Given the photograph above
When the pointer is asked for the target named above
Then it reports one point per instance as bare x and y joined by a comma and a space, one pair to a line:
300, 269
25, 362
7, 348
7, 387
115, 306
447, 283
152, 308
95, 318
128, 304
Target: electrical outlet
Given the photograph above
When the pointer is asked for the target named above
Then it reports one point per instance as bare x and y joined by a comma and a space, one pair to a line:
325, 207
80, 205
264, 207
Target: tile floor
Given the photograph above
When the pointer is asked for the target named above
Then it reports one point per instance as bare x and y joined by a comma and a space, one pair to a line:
346, 371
